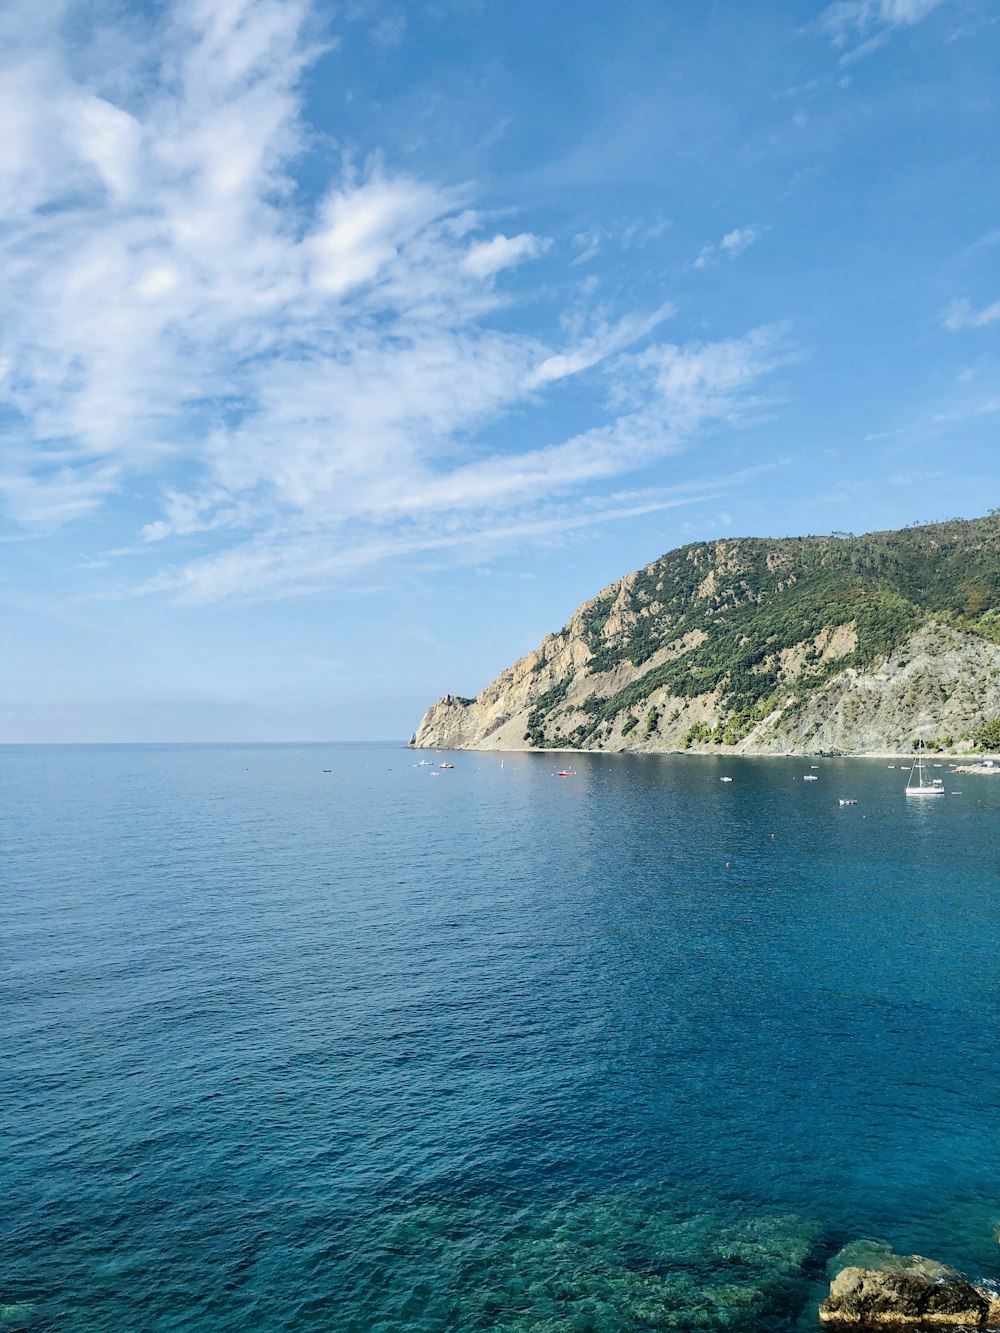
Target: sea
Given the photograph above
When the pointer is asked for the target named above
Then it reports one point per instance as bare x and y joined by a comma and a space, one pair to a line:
329, 1038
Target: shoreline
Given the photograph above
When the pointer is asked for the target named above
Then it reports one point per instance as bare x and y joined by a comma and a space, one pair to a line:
965, 763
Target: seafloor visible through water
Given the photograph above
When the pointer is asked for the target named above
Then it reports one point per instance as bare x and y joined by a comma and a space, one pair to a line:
387, 1047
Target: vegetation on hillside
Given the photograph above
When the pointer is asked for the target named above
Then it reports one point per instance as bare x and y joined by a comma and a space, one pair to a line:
753, 599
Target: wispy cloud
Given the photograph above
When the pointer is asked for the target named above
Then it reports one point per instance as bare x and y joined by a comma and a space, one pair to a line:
870, 23
297, 562
961, 315
488, 257
389, 32
732, 244
309, 375
488, 503
591, 349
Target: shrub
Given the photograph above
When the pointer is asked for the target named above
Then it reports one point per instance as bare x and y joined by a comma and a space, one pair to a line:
697, 734
987, 737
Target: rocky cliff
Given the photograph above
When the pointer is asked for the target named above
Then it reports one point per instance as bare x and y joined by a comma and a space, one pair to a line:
842, 643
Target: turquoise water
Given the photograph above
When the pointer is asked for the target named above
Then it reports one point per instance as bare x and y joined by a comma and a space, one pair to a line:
372, 1049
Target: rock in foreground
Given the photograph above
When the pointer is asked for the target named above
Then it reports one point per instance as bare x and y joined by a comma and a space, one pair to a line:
917, 1291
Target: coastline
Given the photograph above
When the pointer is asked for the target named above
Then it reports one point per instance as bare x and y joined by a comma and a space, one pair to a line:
963, 763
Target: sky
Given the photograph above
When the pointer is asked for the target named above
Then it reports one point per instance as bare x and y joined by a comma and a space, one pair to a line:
346, 348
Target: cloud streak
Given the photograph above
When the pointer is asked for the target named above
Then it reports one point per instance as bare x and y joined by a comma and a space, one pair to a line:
297, 563
961, 315
732, 244
871, 23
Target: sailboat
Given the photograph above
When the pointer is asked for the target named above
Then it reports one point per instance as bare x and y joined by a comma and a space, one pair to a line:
922, 786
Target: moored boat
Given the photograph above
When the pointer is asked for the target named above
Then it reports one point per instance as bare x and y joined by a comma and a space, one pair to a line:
922, 786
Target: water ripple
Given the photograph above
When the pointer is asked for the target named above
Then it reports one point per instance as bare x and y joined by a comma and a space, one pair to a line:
361, 1050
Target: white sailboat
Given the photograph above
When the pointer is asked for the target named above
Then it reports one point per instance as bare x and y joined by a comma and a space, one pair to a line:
922, 786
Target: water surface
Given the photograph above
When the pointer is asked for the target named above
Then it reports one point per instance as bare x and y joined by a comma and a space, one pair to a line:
390, 1047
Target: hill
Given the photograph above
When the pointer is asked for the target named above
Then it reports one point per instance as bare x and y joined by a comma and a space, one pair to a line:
792, 645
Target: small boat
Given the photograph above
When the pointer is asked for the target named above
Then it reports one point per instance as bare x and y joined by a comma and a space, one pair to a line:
847, 800
446, 765
809, 777
565, 773
725, 779
923, 786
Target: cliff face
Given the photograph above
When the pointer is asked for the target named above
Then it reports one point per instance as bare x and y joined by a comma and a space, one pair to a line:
854, 644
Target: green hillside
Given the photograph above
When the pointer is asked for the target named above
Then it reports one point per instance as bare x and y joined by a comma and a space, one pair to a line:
742, 602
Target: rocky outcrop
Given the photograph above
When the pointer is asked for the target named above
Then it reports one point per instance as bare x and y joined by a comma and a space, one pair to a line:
795, 646
940, 683
911, 1294
872, 1285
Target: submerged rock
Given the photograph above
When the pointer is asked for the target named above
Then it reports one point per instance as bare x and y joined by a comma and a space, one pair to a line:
608, 1263
905, 1289
876, 1255
20, 1315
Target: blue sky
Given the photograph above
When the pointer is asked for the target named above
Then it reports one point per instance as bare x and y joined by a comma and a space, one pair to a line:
346, 348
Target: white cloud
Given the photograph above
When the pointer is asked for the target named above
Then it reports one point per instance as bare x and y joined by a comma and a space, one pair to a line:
736, 241
307, 383
64, 494
871, 22
293, 562
366, 226
906, 11
488, 257
960, 315
678, 391
589, 244
597, 346
732, 244
702, 382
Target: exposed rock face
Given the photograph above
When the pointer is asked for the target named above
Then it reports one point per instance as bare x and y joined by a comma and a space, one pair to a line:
942, 681
910, 1295
798, 645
